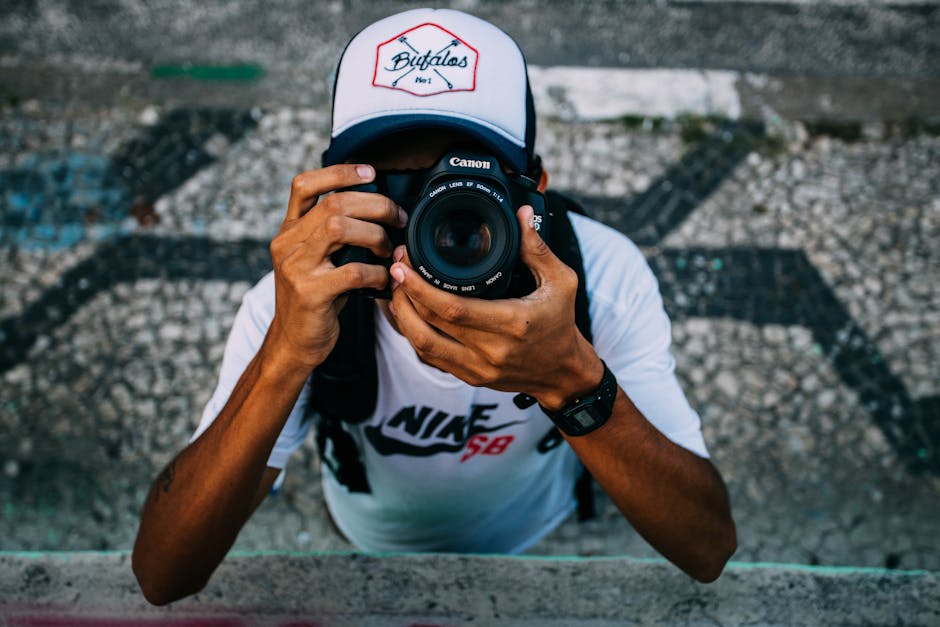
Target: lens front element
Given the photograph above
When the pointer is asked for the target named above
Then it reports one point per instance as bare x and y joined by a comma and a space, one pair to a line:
463, 238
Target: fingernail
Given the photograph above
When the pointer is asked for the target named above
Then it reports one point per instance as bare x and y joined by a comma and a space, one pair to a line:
365, 172
402, 216
391, 307
398, 274
528, 214
398, 253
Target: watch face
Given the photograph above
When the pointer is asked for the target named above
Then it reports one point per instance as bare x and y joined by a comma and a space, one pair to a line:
584, 417
590, 412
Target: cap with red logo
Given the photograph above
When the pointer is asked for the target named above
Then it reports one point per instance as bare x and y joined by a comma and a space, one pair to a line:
433, 68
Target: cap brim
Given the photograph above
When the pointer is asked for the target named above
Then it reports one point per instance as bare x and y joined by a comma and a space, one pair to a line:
344, 145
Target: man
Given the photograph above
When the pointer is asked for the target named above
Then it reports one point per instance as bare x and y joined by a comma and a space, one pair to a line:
451, 461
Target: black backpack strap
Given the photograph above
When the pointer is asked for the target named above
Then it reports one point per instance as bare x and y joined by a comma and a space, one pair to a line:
343, 460
344, 388
345, 385
564, 243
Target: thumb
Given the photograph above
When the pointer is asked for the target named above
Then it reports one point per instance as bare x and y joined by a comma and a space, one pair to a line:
534, 251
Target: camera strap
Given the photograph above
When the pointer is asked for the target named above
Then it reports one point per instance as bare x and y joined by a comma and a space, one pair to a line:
564, 243
344, 388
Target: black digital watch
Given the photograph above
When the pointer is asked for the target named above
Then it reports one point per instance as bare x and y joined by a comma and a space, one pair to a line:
585, 414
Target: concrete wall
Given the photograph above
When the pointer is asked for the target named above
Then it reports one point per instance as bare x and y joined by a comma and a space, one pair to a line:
356, 589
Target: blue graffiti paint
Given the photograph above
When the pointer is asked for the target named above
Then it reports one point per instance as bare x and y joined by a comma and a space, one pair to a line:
49, 202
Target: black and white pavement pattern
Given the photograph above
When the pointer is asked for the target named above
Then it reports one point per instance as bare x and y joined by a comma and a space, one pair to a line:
799, 268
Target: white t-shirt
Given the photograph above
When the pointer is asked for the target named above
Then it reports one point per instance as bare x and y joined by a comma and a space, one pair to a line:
458, 468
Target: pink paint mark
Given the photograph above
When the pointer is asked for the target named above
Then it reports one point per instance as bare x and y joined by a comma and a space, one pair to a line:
74, 621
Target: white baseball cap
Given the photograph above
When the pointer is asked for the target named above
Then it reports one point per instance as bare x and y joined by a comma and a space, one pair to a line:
433, 68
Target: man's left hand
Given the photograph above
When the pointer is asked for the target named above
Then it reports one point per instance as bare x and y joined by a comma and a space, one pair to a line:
529, 344
673, 497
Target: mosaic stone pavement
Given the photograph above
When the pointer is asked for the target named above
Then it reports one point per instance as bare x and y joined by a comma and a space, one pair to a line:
799, 267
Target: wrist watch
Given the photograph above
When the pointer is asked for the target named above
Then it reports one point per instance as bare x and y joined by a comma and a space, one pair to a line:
585, 414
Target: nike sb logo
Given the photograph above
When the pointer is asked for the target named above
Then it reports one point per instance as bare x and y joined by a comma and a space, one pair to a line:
427, 431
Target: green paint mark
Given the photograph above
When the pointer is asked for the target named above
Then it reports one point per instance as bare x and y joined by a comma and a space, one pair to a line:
9, 510
828, 570
717, 264
823, 570
733, 565
817, 349
64, 556
232, 73
922, 453
680, 263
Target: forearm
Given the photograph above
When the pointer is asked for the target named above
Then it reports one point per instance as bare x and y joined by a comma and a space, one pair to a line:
672, 497
200, 502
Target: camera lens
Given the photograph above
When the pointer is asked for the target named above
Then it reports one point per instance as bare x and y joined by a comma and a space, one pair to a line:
462, 238
462, 235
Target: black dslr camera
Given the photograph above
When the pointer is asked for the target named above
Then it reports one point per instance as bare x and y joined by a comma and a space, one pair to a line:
462, 234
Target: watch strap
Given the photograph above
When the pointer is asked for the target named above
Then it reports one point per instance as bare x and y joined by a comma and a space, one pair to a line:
589, 412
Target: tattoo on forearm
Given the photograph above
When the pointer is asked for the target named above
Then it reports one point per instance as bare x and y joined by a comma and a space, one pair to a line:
164, 480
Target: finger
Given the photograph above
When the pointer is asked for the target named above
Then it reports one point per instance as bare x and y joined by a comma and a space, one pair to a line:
363, 206
327, 225
341, 230
307, 187
534, 251
463, 333
352, 276
433, 347
450, 311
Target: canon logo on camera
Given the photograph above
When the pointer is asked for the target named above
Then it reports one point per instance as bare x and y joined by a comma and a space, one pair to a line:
470, 163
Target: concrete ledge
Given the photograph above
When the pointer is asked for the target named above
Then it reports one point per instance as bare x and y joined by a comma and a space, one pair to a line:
341, 589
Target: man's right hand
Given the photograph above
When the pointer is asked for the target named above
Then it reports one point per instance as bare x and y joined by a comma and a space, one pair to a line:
197, 506
308, 287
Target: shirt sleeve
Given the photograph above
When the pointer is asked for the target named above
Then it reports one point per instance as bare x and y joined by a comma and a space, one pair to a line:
632, 333
248, 331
